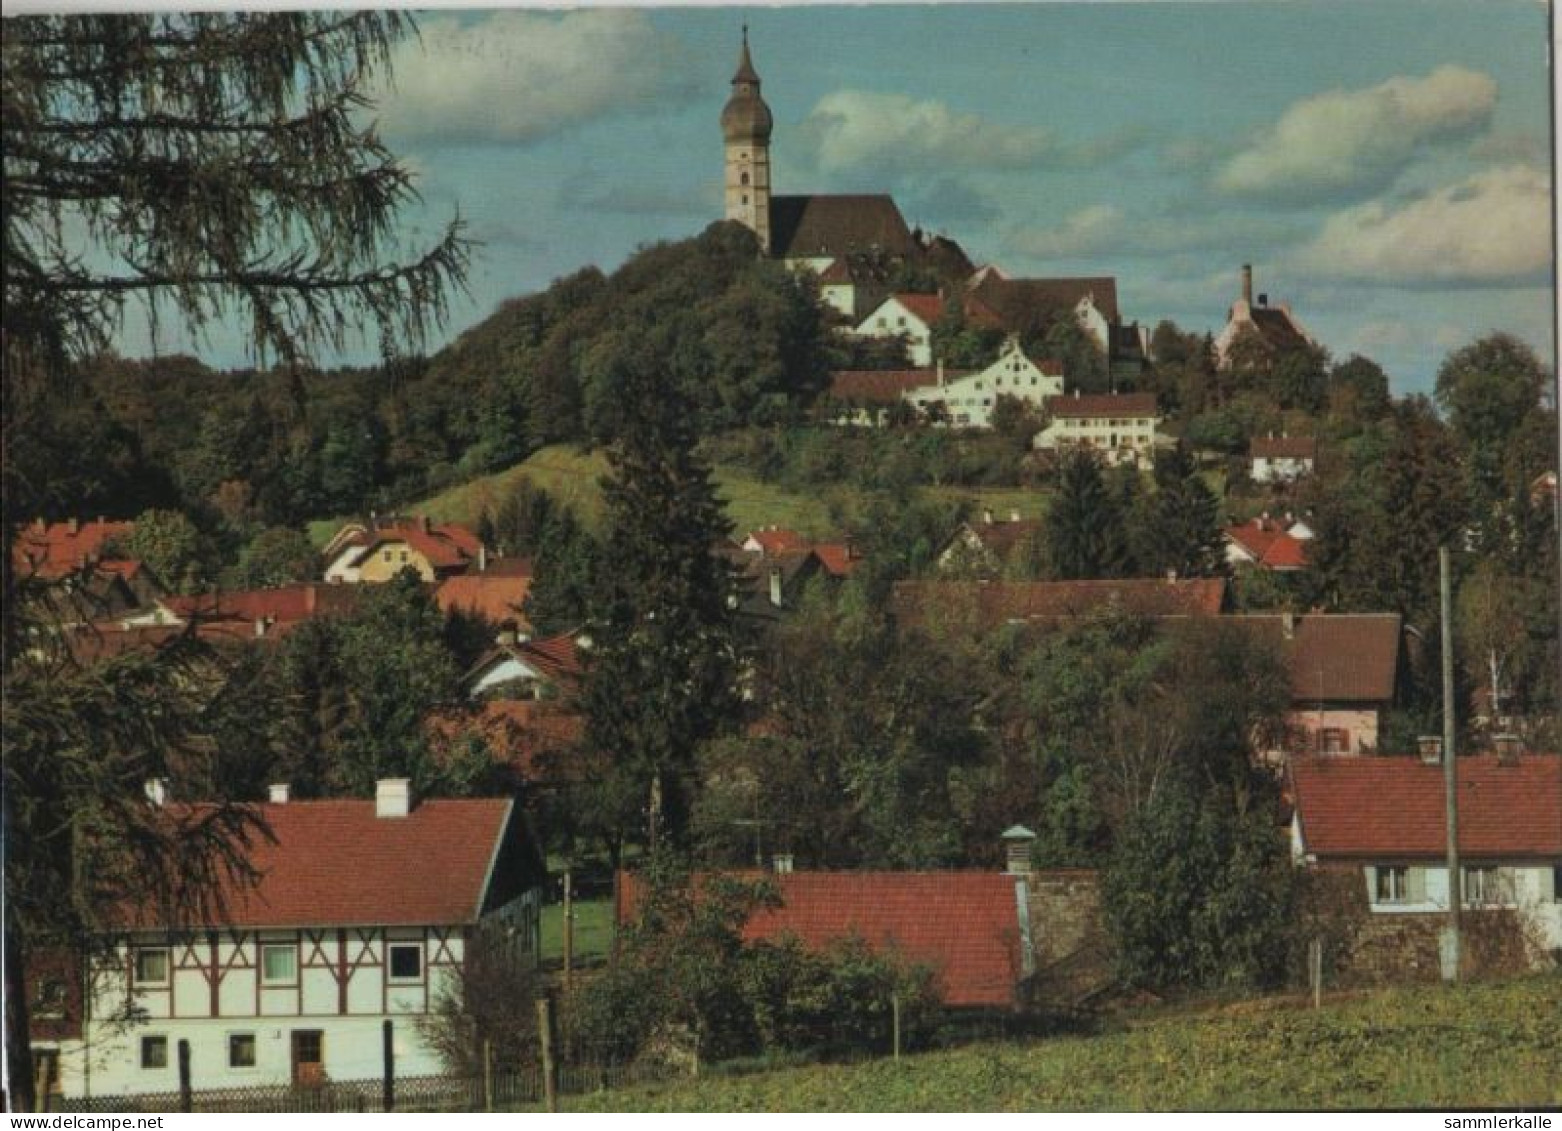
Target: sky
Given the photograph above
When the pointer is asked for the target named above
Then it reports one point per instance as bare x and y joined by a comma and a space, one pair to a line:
1384, 166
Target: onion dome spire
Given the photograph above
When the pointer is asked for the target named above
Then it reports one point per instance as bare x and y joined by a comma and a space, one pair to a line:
746, 118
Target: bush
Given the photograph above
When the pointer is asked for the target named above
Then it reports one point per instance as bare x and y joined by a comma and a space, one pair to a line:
686, 984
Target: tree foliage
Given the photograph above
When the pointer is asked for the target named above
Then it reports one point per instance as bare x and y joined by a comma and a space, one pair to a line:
199, 166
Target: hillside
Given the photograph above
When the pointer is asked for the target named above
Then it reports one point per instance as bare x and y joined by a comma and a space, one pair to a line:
571, 475
1482, 1046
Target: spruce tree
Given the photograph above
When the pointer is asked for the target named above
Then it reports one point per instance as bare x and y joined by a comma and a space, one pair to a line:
663, 663
1180, 528
1085, 535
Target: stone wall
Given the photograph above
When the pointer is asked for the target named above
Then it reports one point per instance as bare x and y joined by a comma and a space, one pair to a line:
1363, 947
1068, 937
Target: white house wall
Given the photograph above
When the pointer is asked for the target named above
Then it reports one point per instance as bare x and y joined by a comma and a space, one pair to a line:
108, 1060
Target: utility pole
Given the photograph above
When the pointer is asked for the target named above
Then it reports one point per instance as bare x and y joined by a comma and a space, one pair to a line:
1450, 955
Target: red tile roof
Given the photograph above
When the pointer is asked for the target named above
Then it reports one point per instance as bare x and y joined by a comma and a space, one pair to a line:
1270, 544
998, 602
335, 864
446, 546
1102, 404
1338, 657
52, 550
284, 606
928, 308
1395, 807
1284, 447
965, 925
885, 386
496, 597
999, 538
839, 559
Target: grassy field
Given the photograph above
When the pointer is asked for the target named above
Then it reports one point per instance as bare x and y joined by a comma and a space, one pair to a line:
1488, 1045
593, 930
571, 475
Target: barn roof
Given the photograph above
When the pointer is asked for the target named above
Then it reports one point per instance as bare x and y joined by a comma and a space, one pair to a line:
964, 925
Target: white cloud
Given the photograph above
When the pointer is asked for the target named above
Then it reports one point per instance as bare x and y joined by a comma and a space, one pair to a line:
1494, 227
1350, 141
851, 129
515, 76
1104, 229
1093, 229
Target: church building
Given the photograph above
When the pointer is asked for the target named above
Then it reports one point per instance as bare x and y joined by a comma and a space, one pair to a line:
852, 242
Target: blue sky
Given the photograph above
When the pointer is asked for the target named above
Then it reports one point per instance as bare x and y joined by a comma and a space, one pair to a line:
1385, 167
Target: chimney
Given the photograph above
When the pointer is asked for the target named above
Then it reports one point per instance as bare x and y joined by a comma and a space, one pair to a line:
1263, 300
392, 797
311, 598
509, 634
260, 627
40, 525
74, 526
1017, 843
781, 863
1508, 747
157, 791
987, 516
482, 558
940, 373
1171, 576
1431, 748
1288, 624
1247, 283
279, 792
775, 586
423, 523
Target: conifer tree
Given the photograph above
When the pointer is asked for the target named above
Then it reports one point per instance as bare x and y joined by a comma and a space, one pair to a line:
663, 662
1180, 528
1085, 530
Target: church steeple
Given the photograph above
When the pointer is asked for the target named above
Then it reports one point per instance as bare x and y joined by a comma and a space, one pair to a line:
745, 129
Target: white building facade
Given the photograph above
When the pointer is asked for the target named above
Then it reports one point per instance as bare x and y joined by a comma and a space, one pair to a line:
1120, 427
363, 914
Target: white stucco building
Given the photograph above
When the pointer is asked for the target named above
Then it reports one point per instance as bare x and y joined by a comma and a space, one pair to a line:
1118, 426
362, 913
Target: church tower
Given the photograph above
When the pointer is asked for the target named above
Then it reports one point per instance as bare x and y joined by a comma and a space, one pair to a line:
745, 131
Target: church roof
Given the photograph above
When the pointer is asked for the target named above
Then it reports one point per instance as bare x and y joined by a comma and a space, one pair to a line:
807, 227
1019, 302
1278, 329
745, 116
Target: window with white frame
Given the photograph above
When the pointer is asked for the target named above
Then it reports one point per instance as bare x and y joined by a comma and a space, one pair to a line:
1482, 887
406, 962
151, 967
1391, 884
278, 964
241, 1050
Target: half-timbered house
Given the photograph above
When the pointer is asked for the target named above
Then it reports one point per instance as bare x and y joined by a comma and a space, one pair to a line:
362, 913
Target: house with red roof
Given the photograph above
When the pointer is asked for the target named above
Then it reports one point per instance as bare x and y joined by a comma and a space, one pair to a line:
378, 550
906, 316
948, 398
1118, 426
1381, 824
983, 548
992, 604
972, 929
1345, 671
51, 550
1266, 543
516, 668
360, 913
496, 594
